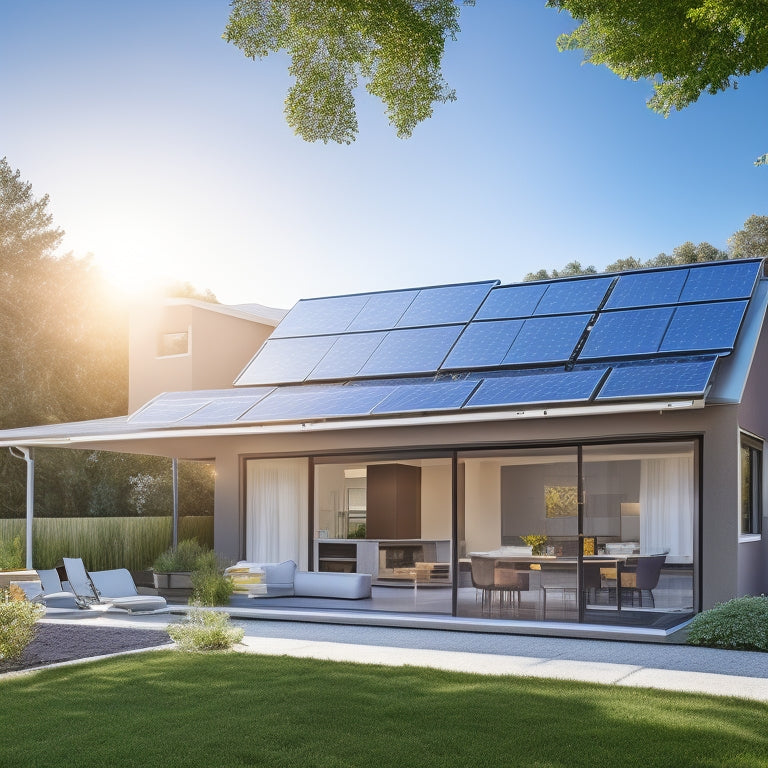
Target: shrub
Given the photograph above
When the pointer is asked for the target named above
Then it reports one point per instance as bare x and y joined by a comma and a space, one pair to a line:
205, 631
740, 624
184, 558
11, 554
209, 587
17, 625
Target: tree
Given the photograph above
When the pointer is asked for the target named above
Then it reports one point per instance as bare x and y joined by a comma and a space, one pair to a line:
397, 46
752, 240
686, 47
569, 270
749, 242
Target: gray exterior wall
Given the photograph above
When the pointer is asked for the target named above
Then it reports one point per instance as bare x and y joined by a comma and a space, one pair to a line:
753, 418
722, 559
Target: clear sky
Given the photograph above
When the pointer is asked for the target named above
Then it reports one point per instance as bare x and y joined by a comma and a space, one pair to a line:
165, 153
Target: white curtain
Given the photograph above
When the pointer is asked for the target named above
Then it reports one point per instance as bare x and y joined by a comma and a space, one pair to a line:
276, 508
666, 507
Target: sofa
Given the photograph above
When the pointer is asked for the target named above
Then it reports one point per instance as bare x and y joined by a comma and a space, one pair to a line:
283, 580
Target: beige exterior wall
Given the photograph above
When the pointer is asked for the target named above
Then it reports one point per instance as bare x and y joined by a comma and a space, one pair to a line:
221, 342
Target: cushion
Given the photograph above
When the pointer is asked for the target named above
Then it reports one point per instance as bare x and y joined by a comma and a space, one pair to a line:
277, 576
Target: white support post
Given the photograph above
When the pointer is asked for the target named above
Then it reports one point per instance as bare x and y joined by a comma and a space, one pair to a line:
20, 452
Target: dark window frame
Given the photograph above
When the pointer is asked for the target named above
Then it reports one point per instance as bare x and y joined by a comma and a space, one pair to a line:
751, 483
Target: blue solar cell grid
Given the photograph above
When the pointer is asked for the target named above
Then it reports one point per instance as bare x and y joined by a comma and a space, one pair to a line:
647, 289
428, 396
511, 301
313, 317
382, 311
625, 333
281, 361
704, 327
347, 356
727, 280
546, 339
226, 410
483, 344
537, 388
582, 295
658, 378
167, 411
412, 350
445, 305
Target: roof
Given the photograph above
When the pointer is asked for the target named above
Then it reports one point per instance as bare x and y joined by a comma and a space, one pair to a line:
639, 340
256, 313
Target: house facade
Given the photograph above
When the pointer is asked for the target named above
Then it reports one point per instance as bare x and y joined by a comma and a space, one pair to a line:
586, 451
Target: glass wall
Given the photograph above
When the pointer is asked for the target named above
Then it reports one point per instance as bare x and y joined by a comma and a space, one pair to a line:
600, 534
390, 517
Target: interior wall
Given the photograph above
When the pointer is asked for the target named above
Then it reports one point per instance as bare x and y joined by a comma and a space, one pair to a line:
436, 501
482, 512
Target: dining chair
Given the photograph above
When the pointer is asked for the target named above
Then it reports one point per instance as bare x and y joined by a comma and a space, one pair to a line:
647, 573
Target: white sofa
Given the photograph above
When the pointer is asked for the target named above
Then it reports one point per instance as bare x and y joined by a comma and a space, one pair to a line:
283, 580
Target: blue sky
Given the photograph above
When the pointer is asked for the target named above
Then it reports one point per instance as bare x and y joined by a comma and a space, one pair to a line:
165, 154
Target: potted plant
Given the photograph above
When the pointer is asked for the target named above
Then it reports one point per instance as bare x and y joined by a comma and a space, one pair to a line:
537, 542
172, 570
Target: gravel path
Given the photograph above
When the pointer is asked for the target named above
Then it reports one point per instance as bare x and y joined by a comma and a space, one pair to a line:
54, 643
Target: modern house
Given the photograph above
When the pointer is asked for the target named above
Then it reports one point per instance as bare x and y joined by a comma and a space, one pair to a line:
423, 435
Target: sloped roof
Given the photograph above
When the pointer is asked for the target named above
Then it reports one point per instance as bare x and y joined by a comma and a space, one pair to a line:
474, 351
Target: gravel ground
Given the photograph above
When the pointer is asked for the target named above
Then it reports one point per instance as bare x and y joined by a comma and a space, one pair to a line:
55, 643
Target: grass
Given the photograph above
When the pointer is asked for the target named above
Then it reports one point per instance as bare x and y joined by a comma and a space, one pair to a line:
173, 709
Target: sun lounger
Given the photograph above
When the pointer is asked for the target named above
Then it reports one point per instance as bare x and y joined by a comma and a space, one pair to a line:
118, 588
53, 594
114, 587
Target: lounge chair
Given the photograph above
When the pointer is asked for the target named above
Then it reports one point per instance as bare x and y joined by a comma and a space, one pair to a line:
115, 588
53, 594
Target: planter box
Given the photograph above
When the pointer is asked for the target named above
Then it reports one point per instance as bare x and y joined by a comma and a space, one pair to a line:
174, 587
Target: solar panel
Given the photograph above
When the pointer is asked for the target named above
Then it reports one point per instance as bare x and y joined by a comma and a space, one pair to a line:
167, 411
411, 350
658, 378
537, 388
647, 289
445, 305
578, 295
315, 402
428, 396
704, 327
347, 356
225, 409
382, 311
281, 361
483, 344
546, 339
629, 332
724, 280
313, 317
511, 301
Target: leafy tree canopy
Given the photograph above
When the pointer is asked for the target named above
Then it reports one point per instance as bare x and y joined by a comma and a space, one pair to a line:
686, 47
749, 242
396, 45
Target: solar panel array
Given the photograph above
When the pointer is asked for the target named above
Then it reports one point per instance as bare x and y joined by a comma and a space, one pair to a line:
642, 334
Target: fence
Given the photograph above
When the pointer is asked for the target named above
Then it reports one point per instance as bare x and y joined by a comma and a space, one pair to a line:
105, 542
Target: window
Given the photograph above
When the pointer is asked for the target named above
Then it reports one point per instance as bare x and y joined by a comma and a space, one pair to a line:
173, 344
751, 485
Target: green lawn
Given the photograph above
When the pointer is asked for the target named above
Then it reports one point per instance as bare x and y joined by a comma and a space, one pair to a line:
172, 709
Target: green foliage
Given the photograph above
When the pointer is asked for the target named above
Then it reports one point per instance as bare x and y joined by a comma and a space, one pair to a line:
205, 631
740, 625
12, 553
569, 270
684, 47
751, 240
210, 587
187, 556
114, 542
397, 46
358, 532
17, 625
